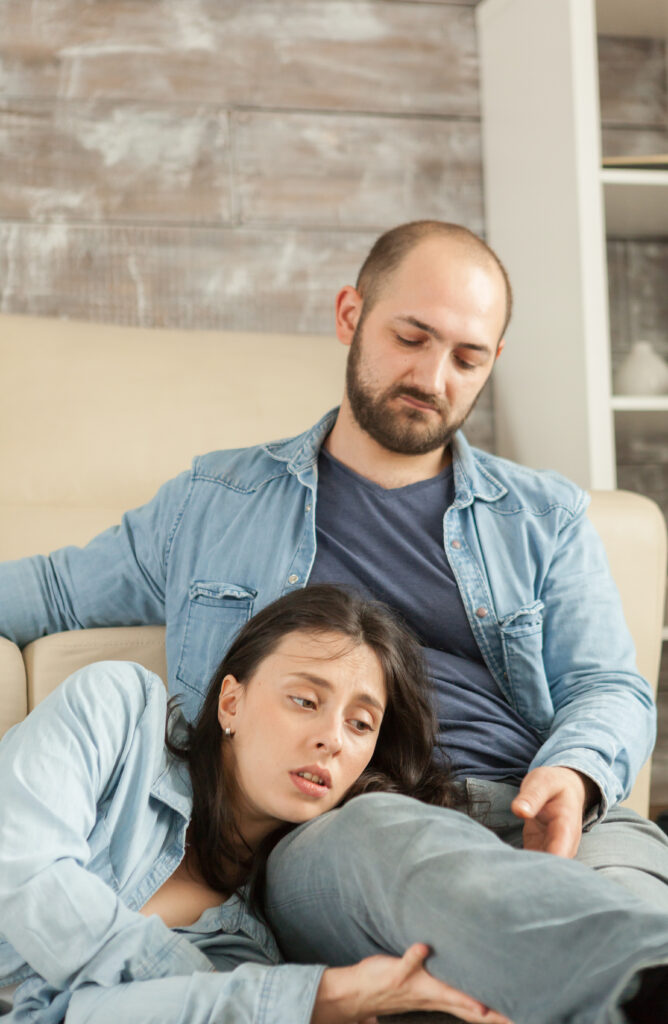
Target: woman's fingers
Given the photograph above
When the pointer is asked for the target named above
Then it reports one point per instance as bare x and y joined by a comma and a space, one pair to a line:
414, 957
451, 1000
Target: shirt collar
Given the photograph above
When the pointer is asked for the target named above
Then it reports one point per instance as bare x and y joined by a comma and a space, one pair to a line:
172, 785
472, 478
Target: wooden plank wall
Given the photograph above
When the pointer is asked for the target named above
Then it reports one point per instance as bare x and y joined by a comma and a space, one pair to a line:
226, 163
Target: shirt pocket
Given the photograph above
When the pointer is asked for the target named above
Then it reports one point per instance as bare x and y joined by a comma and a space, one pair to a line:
216, 613
522, 643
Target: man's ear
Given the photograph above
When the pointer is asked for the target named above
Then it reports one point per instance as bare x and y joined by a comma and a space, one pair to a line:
500, 347
229, 700
348, 309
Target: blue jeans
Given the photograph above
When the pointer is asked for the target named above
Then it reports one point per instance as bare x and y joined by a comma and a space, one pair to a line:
539, 938
624, 846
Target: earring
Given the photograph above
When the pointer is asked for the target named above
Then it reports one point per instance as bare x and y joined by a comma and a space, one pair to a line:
228, 732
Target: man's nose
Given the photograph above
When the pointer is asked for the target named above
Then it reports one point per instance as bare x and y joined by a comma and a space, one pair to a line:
431, 372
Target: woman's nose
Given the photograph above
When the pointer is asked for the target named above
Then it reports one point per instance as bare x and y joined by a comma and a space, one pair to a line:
330, 737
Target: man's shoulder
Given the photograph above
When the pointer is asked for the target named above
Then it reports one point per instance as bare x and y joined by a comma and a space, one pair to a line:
540, 490
245, 469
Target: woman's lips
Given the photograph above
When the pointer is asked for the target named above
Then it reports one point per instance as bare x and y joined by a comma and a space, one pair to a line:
308, 787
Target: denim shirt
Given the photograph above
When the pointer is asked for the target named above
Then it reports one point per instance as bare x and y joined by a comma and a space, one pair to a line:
93, 817
227, 537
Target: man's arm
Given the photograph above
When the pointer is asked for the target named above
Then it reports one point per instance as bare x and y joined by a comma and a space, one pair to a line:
116, 580
605, 717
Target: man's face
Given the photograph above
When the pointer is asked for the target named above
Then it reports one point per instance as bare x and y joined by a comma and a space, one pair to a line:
421, 356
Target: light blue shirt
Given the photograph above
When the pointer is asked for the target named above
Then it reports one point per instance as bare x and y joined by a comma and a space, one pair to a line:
227, 537
93, 817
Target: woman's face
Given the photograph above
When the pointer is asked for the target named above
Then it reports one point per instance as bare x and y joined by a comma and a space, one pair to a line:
312, 708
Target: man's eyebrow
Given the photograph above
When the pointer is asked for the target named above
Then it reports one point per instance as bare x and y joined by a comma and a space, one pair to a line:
363, 698
435, 333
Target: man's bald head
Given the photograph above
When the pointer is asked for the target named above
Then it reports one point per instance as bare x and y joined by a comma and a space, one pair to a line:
389, 251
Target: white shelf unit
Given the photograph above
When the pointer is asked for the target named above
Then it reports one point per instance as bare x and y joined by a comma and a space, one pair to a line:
636, 202
549, 205
639, 403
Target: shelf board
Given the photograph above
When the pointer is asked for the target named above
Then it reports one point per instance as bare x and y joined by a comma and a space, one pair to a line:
636, 202
632, 17
639, 403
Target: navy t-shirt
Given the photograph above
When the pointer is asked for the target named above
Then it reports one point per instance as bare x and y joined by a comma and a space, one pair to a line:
388, 544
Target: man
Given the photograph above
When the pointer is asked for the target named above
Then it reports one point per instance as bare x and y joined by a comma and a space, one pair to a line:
494, 566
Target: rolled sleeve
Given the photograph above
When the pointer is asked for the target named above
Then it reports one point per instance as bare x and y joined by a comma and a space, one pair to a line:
250, 994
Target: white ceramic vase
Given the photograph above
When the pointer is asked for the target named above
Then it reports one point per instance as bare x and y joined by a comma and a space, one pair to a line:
642, 372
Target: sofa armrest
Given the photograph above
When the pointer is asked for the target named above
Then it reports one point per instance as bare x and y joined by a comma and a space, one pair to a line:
53, 658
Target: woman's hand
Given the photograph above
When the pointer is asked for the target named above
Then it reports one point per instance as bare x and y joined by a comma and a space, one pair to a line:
381, 985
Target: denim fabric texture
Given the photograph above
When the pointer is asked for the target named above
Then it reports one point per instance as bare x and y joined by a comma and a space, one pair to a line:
226, 538
94, 818
540, 938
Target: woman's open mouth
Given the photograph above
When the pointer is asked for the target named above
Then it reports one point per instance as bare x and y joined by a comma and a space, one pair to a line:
313, 786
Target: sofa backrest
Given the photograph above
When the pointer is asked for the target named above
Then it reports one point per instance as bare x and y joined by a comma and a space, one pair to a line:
94, 418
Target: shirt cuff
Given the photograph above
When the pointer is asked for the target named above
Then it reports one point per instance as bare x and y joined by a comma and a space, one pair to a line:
288, 994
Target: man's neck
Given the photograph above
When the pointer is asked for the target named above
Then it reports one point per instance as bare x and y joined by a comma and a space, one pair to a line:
356, 449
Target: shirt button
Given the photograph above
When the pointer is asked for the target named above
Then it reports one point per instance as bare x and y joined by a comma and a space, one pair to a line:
295, 579
481, 612
308, 508
456, 544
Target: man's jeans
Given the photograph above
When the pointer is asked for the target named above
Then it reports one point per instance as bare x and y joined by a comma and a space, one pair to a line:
540, 938
624, 846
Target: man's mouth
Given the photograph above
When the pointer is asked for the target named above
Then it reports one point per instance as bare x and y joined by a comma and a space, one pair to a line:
417, 404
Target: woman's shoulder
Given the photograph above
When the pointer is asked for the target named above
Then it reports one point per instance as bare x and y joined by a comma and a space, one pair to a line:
114, 694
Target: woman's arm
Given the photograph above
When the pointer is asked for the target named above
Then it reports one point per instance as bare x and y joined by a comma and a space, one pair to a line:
66, 923
287, 994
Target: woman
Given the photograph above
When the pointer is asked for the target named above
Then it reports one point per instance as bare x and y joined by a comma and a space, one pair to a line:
126, 858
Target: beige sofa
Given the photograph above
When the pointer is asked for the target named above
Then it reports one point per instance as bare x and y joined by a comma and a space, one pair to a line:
94, 418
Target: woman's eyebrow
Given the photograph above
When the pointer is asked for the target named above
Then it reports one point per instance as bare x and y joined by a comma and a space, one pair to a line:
363, 698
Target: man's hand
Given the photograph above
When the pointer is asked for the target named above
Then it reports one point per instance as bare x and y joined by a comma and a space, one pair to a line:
381, 985
553, 801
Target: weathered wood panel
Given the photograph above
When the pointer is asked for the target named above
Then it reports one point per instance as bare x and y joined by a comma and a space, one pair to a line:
356, 171
303, 54
633, 141
114, 161
282, 280
632, 81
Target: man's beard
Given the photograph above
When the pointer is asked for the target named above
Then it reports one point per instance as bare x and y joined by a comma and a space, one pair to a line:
415, 432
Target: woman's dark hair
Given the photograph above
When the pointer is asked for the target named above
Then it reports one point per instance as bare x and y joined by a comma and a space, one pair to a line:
403, 760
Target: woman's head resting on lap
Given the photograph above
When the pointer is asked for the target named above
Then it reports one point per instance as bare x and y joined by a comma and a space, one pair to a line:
321, 682
312, 706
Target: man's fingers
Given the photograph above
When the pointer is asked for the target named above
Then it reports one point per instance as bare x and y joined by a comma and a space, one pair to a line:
532, 797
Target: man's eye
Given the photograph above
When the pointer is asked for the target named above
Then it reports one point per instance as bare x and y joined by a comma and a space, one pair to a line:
411, 342
464, 364
303, 702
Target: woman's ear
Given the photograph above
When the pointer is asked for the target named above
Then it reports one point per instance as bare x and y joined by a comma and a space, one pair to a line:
229, 702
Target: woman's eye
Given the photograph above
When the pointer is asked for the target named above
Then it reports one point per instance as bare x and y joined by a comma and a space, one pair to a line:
303, 702
361, 725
